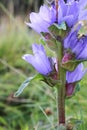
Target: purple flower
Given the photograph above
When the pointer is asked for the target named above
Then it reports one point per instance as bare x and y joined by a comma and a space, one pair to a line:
72, 78
78, 46
42, 20
71, 12
76, 75
39, 60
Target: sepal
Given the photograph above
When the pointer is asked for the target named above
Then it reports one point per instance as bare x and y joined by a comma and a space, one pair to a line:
72, 89
71, 64
51, 82
51, 41
58, 31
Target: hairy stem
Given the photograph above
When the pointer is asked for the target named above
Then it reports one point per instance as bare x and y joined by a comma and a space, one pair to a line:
61, 88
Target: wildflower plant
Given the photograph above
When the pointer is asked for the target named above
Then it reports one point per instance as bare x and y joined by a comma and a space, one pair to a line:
59, 25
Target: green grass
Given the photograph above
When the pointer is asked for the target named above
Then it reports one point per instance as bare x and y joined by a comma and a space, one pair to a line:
28, 111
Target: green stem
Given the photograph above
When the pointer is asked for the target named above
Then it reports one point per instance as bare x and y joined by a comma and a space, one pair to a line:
61, 88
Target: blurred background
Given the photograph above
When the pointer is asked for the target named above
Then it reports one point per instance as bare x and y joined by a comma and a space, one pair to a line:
35, 108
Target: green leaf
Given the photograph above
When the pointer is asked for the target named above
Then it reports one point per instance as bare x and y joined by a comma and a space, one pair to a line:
42, 41
26, 83
77, 88
71, 64
58, 30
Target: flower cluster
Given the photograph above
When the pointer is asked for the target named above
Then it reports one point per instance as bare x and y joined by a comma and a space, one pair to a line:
71, 13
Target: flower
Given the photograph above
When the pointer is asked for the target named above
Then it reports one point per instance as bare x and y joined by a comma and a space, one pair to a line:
71, 12
39, 60
42, 20
77, 45
72, 78
76, 75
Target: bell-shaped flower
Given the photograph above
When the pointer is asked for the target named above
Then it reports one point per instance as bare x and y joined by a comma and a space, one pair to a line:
42, 20
72, 78
77, 45
72, 11
39, 60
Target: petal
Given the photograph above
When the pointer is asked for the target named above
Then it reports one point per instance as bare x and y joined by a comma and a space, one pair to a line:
49, 15
83, 15
39, 61
29, 58
36, 47
82, 3
76, 75
83, 53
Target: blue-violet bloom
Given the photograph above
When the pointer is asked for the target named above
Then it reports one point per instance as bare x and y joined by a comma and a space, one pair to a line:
72, 12
42, 20
39, 60
72, 78
77, 45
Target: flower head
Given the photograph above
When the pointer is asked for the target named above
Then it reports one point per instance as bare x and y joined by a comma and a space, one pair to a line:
76, 75
39, 60
78, 46
42, 20
72, 78
71, 12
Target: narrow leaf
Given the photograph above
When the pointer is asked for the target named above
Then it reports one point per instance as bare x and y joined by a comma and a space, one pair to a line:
26, 83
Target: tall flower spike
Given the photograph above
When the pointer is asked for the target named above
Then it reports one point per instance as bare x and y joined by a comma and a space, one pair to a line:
39, 60
42, 20
78, 46
71, 12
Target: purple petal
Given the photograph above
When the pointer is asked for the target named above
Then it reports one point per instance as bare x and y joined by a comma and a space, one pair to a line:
42, 20
83, 15
39, 61
76, 75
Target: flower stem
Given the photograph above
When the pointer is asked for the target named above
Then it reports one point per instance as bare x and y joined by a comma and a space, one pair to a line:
61, 87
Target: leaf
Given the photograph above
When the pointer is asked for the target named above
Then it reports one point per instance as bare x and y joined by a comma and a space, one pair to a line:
58, 30
42, 41
26, 83
71, 64
77, 88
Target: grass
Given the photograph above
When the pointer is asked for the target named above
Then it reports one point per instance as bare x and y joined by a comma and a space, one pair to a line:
35, 108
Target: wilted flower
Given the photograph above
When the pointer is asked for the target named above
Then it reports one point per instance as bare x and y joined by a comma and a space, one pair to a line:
42, 20
72, 11
39, 60
77, 45
72, 78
